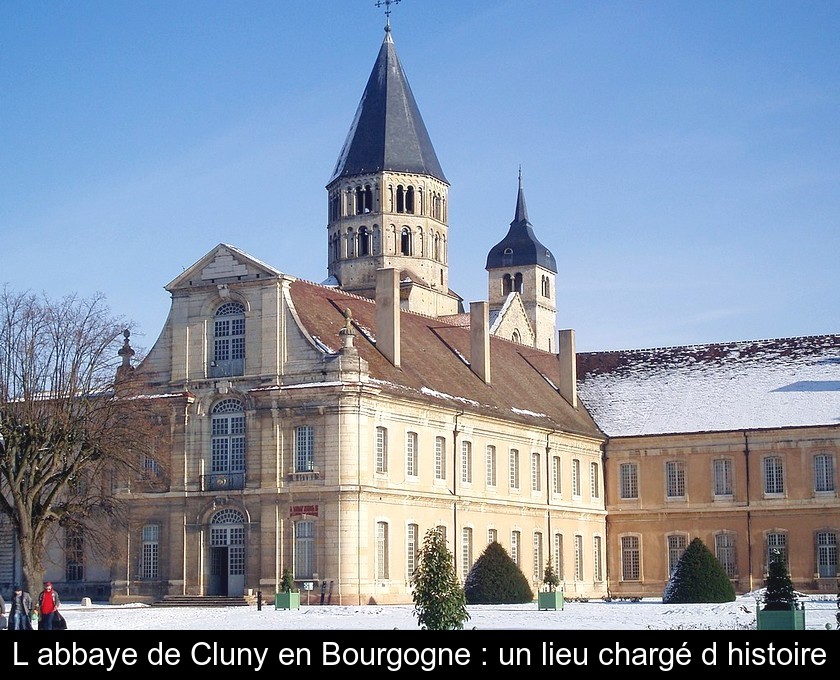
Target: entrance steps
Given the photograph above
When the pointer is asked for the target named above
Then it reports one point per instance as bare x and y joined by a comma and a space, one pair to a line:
202, 601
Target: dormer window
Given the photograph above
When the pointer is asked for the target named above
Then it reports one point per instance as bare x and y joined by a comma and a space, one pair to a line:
507, 257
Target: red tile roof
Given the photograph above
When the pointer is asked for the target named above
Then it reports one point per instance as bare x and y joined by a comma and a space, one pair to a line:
435, 363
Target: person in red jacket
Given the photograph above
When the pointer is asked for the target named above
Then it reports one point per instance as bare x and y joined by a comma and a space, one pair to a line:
48, 604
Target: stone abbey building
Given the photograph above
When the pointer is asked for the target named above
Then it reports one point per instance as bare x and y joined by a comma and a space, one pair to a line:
327, 427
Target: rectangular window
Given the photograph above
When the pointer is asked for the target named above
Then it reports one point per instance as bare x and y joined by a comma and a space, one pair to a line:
381, 450
629, 480
513, 465
823, 472
558, 555
595, 480
630, 558
491, 465
442, 531
538, 556
722, 469
304, 549
555, 475
382, 550
304, 451
675, 479
492, 536
725, 553
74, 554
677, 544
773, 475
598, 570
150, 552
412, 536
466, 551
411, 462
536, 481
575, 477
514, 547
827, 554
466, 462
578, 557
776, 545
440, 458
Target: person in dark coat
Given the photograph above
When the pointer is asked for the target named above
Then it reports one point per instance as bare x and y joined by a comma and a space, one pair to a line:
48, 604
3, 621
20, 610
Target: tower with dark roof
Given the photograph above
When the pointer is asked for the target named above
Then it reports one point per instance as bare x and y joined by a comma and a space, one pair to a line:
519, 265
387, 197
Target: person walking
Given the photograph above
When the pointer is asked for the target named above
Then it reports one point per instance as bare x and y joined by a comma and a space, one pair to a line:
20, 610
3, 621
48, 604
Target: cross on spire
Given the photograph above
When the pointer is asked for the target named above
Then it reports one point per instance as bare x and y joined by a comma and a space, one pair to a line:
387, 4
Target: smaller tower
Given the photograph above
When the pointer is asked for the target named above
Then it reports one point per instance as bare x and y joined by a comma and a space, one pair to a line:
520, 265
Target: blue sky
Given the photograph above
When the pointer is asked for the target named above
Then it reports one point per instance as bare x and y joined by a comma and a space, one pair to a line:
680, 159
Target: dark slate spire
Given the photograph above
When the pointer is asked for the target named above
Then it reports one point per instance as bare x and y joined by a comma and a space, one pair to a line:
520, 247
387, 132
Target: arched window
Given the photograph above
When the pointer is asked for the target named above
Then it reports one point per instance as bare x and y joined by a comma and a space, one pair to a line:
409, 200
228, 340
336, 247
517, 283
516, 337
364, 241
400, 198
507, 284
437, 247
227, 446
405, 241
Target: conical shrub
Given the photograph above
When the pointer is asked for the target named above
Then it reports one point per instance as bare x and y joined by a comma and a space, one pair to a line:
495, 579
699, 577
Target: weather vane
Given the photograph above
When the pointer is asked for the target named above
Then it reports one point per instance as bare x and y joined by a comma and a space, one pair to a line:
387, 4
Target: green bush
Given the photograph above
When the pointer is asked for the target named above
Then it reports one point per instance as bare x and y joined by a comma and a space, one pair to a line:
495, 579
778, 588
287, 583
550, 579
699, 577
439, 602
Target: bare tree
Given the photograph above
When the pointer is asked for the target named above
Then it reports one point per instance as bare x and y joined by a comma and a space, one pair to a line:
72, 419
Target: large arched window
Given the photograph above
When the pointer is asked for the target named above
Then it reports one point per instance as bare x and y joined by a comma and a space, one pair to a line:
227, 446
228, 340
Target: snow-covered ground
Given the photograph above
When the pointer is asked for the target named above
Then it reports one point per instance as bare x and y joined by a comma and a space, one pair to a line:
617, 615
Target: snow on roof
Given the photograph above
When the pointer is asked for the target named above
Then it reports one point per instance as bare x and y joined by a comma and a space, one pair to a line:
758, 384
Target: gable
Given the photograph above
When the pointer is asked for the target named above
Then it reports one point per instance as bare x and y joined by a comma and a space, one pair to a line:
512, 318
223, 264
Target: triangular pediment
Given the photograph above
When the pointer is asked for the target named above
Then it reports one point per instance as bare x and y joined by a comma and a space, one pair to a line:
223, 264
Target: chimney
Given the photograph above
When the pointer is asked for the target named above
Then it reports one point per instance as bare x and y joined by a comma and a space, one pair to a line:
568, 365
388, 314
480, 340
